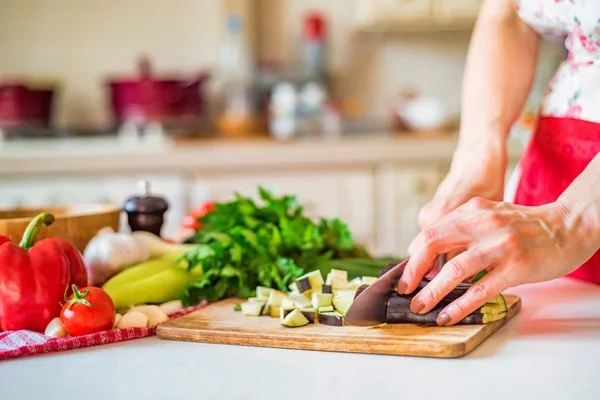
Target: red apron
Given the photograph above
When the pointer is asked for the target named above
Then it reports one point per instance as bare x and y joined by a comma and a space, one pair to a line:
559, 151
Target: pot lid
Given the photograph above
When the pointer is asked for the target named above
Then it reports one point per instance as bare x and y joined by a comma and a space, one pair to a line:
146, 203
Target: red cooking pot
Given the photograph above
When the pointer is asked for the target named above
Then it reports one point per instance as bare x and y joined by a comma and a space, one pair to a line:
26, 104
167, 100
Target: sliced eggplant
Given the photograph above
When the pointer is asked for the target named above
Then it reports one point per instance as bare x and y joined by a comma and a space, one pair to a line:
311, 281
354, 284
360, 290
309, 313
337, 279
342, 303
288, 303
283, 312
275, 298
301, 302
368, 280
262, 291
398, 312
258, 299
294, 291
327, 288
326, 309
321, 300
266, 311
345, 292
275, 311
252, 309
333, 318
295, 319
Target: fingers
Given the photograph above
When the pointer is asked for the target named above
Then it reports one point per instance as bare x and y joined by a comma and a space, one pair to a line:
453, 273
475, 297
431, 243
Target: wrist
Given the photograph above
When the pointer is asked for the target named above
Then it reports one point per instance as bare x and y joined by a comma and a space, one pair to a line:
579, 224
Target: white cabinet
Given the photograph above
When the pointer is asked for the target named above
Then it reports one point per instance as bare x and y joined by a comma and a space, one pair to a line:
457, 9
398, 10
400, 194
347, 194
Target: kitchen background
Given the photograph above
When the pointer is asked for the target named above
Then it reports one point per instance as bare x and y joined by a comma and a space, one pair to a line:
351, 105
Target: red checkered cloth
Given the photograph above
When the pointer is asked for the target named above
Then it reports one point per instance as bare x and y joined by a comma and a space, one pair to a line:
15, 344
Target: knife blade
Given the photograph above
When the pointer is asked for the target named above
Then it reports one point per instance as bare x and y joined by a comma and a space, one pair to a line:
370, 306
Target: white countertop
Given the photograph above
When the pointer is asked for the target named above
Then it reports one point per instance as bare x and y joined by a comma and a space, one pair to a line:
112, 154
551, 350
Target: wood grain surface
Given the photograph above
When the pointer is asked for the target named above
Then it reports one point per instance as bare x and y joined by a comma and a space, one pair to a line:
218, 323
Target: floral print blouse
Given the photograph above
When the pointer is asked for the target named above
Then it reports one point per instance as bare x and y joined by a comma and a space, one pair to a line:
574, 91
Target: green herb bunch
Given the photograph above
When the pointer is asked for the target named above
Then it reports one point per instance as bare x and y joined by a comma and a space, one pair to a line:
243, 245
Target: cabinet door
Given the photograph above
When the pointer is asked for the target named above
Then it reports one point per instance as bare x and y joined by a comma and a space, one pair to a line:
400, 195
457, 9
346, 195
400, 10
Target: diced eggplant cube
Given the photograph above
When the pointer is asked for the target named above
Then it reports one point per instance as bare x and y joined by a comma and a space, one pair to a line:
325, 309
295, 319
321, 300
331, 318
252, 309
262, 291
327, 289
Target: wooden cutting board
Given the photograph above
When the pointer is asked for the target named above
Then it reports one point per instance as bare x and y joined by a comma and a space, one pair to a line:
218, 323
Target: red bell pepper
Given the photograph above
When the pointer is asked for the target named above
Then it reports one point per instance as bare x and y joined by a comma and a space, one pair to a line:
35, 278
190, 221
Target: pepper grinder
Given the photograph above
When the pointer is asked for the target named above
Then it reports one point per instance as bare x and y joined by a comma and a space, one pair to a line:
146, 212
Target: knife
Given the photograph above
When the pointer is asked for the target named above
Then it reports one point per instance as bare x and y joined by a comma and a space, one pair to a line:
370, 306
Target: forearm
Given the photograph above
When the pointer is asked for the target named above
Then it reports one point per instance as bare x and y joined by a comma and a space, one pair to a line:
580, 204
499, 72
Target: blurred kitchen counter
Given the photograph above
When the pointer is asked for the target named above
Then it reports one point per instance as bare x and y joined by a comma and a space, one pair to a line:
76, 156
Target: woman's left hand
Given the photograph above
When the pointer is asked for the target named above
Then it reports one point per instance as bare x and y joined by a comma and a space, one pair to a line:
515, 244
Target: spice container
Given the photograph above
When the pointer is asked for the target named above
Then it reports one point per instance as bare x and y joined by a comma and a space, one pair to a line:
146, 212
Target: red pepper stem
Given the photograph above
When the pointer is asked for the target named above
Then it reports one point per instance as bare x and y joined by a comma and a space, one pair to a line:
43, 219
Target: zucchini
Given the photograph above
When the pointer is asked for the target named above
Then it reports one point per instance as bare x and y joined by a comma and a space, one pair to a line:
294, 319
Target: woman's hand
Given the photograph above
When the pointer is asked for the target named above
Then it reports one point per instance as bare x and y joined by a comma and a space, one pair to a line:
515, 244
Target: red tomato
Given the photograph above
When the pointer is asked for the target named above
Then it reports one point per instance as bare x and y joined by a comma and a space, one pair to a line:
190, 221
88, 310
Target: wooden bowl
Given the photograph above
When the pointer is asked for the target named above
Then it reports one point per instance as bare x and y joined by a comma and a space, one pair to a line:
77, 224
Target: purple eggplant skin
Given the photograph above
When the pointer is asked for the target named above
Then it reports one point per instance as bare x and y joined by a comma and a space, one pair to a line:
429, 319
310, 316
303, 285
285, 311
327, 289
360, 289
453, 295
331, 320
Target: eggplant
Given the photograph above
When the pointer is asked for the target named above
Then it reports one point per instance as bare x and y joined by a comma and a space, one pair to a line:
301, 302
354, 283
326, 309
398, 312
311, 281
368, 280
331, 318
252, 309
309, 313
275, 298
294, 319
387, 268
262, 291
337, 279
288, 303
342, 303
321, 300
275, 311
360, 289
327, 289
284, 311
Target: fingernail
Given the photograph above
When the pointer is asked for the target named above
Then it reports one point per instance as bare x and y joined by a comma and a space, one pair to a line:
417, 305
401, 287
443, 319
